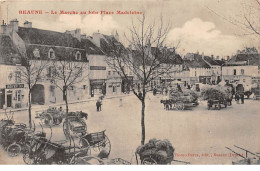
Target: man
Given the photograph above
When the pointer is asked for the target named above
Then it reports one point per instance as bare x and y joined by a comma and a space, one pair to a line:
240, 91
99, 104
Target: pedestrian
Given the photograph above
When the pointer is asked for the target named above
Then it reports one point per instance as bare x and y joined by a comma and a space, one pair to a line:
240, 91
99, 104
237, 97
120, 102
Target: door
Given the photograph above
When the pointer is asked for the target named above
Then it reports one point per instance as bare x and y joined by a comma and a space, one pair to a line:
9, 100
38, 96
2, 98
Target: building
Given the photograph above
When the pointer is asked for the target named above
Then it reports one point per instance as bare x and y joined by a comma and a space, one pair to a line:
45, 45
115, 84
243, 68
199, 71
12, 90
216, 68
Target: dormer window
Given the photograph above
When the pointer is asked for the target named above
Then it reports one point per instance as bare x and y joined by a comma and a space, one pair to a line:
36, 53
78, 56
51, 54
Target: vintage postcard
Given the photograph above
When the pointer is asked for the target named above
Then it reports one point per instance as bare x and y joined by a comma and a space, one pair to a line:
130, 82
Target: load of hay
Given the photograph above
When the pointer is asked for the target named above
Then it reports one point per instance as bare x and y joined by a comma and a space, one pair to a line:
161, 151
216, 92
187, 96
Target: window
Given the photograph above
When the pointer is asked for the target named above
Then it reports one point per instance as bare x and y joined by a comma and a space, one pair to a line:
36, 53
18, 77
235, 72
195, 73
51, 71
78, 56
114, 88
242, 71
51, 54
114, 72
18, 95
109, 72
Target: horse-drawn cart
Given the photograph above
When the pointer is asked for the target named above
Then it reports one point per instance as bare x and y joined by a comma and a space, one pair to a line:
51, 116
75, 124
180, 100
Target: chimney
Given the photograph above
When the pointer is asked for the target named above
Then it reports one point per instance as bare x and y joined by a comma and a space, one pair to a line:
27, 24
3, 27
202, 55
212, 56
96, 38
116, 36
75, 33
228, 58
14, 25
83, 36
217, 58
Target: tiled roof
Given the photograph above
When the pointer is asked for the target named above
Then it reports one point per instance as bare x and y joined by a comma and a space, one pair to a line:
195, 62
108, 43
60, 52
245, 59
9, 55
167, 57
47, 37
90, 47
52, 38
210, 60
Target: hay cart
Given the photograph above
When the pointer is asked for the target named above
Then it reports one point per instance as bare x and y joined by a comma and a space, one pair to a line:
51, 116
177, 100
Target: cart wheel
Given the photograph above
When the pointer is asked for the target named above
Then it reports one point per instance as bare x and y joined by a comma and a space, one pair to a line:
179, 105
148, 161
14, 149
48, 120
106, 145
103, 145
28, 157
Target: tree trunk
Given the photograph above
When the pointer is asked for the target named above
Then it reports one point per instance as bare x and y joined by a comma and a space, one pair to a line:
67, 110
30, 109
142, 122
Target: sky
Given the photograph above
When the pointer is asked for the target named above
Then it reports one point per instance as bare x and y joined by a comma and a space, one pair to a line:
199, 25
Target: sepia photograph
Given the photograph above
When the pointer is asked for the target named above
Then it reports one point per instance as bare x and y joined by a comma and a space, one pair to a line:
130, 82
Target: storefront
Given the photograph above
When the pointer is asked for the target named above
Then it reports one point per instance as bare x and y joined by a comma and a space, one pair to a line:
14, 96
97, 87
113, 88
127, 84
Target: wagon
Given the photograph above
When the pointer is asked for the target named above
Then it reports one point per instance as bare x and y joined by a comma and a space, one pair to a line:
75, 124
217, 104
51, 116
97, 142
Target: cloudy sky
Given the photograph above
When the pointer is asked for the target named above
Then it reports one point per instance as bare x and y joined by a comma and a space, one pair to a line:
199, 25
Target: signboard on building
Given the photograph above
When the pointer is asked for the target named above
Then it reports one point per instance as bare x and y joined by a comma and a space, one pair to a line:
97, 68
13, 86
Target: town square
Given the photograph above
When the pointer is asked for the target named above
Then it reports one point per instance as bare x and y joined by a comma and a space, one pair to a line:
94, 89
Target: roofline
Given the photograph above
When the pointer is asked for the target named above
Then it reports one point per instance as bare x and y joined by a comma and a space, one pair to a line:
54, 46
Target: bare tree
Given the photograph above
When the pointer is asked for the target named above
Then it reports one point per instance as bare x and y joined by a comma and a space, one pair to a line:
148, 59
248, 18
31, 73
66, 73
